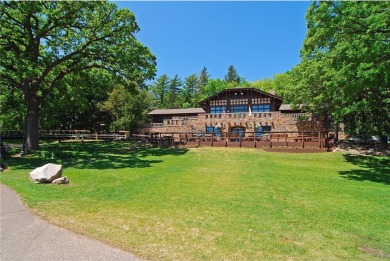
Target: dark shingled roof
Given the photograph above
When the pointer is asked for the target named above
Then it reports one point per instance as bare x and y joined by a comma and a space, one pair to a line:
177, 111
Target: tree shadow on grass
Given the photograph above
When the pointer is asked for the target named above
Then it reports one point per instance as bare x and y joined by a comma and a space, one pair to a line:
113, 155
375, 169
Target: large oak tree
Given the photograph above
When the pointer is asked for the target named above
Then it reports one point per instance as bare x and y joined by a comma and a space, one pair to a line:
344, 71
42, 43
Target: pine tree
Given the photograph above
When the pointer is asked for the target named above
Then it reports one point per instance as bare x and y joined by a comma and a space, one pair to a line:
174, 87
159, 89
191, 87
232, 75
203, 78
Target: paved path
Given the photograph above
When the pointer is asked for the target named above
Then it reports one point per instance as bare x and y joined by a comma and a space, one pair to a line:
27, 237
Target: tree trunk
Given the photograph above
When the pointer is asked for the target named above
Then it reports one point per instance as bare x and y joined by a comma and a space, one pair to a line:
31, 129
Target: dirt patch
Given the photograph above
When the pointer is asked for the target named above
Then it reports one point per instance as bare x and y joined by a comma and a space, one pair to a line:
374, 252
379, 149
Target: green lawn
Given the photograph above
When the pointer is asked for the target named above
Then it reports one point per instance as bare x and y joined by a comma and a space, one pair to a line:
216, 203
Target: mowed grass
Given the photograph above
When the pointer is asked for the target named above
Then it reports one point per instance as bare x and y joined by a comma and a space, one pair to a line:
216, 203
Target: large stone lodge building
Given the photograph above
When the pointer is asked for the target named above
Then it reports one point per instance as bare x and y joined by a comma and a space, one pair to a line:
238, 111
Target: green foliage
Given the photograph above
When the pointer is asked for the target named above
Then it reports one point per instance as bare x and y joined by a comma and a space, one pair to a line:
214, 86
84, 91
128, 108
42, 43
281, 84
345, 59
12, 109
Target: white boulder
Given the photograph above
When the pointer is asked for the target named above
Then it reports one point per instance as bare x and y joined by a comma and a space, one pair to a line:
46, 174
62, 180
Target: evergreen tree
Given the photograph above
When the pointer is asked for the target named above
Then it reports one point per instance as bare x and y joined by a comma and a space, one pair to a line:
203, 78
232, 75
159, 90
173, 92
191, 87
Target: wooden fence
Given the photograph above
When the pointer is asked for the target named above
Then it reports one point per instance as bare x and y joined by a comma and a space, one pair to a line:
68, 135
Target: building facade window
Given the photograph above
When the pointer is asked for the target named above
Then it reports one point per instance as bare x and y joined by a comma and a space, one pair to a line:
261, 108
238, 101
259, 131
239, 131
218, 102
217, 131
217, 109
239, 108
261, 100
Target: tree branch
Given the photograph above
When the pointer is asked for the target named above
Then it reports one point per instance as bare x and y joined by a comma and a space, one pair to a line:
64, 73
12, 18
71, 55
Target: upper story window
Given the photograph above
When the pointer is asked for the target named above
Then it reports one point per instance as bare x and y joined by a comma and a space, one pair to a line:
239, 108
218, 102
238, 101
217, 109
261, 108
261, 100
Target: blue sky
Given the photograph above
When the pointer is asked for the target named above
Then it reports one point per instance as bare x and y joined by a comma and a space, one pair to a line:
259, 39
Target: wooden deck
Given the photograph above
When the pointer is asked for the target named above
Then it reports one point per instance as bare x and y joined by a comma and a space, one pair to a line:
309, 140
299, 140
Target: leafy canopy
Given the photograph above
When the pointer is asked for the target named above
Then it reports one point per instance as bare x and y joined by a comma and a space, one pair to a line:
344, 73
42, 43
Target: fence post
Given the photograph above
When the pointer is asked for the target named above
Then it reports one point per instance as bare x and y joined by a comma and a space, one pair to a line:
319, 139
285, 139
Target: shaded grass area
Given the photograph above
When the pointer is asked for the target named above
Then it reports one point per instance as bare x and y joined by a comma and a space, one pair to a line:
215, 203
96, 155
376, 169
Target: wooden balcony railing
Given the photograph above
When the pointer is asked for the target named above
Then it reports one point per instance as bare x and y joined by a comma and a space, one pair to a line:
240, 115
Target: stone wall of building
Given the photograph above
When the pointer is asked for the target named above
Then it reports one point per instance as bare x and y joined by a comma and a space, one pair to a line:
289, 122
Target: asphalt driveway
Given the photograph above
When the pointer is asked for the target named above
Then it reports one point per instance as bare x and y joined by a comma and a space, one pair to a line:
27, 237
